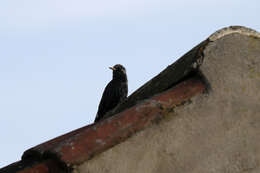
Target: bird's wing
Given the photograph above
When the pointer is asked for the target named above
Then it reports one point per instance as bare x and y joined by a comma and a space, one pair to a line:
106, 100
123, 90
114, 93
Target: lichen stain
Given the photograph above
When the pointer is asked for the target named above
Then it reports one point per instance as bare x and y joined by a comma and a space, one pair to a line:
254, 44
100, 141
150, 104
253, 73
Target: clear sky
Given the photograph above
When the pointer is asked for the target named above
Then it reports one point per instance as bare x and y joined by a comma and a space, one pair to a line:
55, 54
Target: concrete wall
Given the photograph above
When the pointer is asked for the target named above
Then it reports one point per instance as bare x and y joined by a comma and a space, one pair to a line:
216, 132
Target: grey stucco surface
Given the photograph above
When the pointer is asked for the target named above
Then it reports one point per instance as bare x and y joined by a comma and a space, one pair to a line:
216, 132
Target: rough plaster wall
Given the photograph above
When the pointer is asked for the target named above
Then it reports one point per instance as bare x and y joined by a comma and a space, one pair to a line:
217, 132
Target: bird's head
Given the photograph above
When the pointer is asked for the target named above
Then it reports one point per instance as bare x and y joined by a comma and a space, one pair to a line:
119, 72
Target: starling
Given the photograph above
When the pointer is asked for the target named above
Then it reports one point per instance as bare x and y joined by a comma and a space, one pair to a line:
114, 93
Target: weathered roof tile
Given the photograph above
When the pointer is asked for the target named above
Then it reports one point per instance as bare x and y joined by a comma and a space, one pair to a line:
82, 144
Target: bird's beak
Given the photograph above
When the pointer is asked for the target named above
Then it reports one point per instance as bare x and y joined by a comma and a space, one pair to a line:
112, 68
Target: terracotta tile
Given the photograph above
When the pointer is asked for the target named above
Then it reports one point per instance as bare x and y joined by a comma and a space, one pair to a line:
80, 145
48, 166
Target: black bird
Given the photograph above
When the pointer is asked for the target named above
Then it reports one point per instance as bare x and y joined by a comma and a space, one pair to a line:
114, 93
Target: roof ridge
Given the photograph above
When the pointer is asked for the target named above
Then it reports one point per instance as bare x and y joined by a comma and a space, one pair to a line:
234, 29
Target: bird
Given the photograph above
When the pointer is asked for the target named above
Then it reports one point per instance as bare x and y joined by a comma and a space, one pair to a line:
114, 93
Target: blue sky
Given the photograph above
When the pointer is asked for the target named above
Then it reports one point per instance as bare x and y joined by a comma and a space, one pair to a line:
55, 54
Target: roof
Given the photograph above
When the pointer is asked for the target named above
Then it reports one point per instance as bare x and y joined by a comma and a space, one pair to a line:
174, 87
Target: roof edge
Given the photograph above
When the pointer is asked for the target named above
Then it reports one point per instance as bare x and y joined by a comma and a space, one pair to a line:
92, 140
31, 166
234, 29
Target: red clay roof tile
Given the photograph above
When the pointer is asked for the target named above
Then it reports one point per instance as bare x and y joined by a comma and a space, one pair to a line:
80, 145
43, 167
